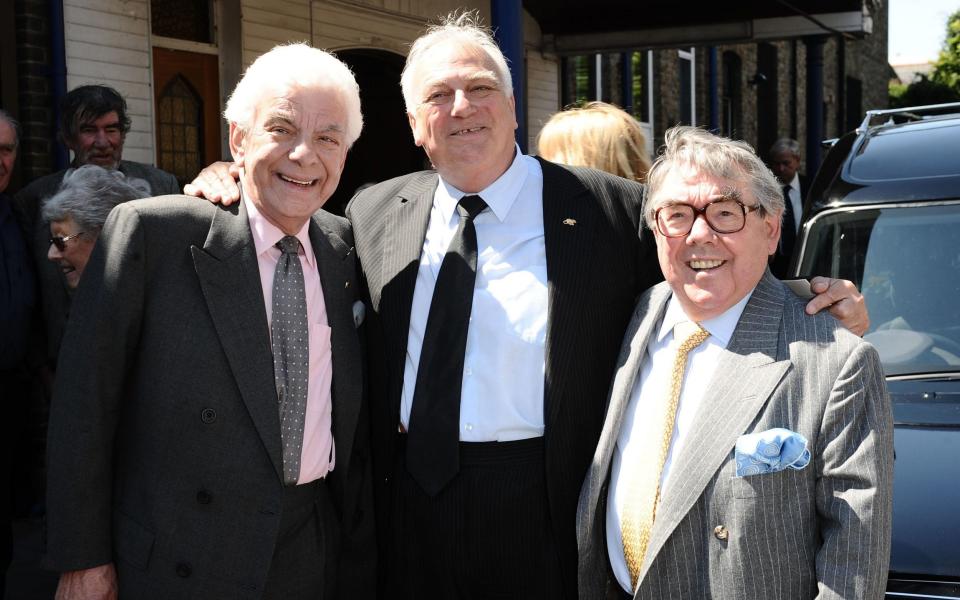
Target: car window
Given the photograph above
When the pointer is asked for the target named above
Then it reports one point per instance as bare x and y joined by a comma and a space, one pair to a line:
906, 260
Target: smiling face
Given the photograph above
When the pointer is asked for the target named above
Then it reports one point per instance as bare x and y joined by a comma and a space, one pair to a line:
98, 142
710, 272
73, 258
463, 120
293, 153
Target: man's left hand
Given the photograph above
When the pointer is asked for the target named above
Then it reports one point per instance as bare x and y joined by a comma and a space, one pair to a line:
844, 300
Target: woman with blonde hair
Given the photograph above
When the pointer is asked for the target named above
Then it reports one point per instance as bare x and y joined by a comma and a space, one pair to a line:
597, 135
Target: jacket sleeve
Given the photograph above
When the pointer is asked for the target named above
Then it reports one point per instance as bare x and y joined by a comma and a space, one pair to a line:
855, 484
98, 347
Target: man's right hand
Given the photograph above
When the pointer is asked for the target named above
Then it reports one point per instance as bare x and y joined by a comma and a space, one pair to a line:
217, 183
98, 583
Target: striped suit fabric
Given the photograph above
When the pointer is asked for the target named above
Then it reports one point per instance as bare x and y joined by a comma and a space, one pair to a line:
823, 531
598, 262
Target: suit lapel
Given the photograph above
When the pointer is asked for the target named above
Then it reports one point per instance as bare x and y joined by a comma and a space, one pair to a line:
569, 226
230, 279
336, 277
405, 229
746, 376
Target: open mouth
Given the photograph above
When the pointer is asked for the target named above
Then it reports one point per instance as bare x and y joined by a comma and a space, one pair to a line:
705, 265
298, 182
66, 269
466, 131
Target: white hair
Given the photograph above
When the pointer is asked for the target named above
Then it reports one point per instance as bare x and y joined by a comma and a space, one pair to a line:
465, 30
715, 156
87, 194
300, 66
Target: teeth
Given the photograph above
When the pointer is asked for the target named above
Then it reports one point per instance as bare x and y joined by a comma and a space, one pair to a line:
705, 264
471, 130
296, 181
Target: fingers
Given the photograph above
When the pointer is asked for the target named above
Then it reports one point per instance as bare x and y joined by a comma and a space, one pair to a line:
217, 183
844, 301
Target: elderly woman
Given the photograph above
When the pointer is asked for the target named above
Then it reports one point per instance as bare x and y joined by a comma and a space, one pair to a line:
79, 209
597, 135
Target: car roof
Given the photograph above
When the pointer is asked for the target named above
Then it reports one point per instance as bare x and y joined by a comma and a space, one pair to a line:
901, 155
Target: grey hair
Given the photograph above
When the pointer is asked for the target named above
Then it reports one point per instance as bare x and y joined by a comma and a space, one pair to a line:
715, 156
465, 29
296, 66
88, 194
786, 145
5, 116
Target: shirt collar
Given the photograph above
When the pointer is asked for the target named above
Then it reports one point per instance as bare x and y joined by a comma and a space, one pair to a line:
795, 182
266, 234
720, 327
499, 195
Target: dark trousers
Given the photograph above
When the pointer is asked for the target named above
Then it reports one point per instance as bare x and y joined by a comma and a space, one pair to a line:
487, 535
304, 559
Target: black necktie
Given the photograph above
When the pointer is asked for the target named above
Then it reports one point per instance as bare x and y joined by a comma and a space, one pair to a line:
291, 353
434, 431
788, 231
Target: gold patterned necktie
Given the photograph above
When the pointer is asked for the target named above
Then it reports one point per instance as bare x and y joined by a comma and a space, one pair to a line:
643, 488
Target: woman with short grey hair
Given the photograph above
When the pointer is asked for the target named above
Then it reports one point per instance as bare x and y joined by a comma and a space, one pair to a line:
79, 209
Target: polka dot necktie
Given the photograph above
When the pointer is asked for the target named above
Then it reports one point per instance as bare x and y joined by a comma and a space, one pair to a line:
291, 353
643, 487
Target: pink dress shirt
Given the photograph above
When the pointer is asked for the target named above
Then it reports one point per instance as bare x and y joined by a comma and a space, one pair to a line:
317, 456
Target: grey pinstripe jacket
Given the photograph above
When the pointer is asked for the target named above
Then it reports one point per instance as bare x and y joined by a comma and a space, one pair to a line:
820, 532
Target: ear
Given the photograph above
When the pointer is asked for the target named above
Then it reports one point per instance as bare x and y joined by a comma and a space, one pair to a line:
772, 227
412, 119
236, 136
513, 110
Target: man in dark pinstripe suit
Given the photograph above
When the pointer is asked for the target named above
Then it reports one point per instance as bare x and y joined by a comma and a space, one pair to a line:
774, 475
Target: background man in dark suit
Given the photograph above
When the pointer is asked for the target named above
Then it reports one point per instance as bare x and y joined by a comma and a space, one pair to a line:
93, 125
554, 267
785, 164
206, 437
752, 458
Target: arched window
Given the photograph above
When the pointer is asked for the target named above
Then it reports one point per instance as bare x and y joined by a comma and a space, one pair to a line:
179, 138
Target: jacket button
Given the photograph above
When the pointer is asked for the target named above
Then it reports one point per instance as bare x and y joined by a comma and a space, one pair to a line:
184, 570
204, 497
208, 415
720, 532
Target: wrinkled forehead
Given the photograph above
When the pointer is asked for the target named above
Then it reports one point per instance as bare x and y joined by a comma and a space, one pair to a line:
692, 184
449, 59
7, 135
291, 100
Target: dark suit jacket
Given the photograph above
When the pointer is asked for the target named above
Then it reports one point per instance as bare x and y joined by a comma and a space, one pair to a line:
780, 262
783, 533
54, 294
596, 266
164, 438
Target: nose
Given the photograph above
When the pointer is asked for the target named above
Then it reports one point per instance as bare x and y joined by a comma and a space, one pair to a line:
304, 151
53, 253
701, 232
100, 138
461, 104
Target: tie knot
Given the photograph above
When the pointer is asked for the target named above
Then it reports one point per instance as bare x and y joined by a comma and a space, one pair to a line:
289, 245
471, 206
689, 334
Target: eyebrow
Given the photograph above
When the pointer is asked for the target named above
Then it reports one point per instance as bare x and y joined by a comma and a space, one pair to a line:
285, 117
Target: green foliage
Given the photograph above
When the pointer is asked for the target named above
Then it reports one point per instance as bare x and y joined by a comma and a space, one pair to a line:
943, 85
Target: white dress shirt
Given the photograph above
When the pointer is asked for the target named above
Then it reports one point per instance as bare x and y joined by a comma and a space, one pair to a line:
796, 201
653, 386
502, 392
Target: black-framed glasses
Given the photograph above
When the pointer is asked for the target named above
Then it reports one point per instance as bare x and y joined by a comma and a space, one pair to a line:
724, 215
61, 241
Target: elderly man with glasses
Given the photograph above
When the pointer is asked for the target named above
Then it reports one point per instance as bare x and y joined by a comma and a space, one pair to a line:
747, 450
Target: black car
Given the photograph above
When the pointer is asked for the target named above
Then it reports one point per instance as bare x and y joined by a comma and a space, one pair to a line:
884, 212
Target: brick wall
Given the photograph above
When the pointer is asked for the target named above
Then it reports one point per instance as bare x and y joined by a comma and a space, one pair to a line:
35, 97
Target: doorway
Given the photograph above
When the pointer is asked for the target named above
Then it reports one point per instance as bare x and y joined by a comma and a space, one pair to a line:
385, 148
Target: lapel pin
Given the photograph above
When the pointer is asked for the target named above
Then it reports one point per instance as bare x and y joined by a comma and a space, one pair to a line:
346, 284
570, 222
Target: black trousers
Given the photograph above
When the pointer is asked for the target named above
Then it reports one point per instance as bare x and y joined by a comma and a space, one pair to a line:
487, 535
304, 558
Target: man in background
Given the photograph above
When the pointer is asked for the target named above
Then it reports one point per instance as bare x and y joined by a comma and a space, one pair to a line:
785, 164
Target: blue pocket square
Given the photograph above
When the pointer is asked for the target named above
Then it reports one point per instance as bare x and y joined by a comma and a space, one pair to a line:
770, 451
359, 311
